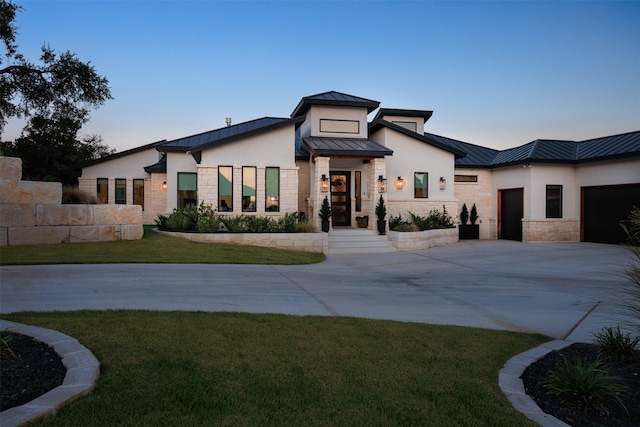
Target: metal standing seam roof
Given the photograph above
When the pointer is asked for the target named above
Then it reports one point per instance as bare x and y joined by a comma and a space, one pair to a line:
333, 98
211, 138
317, 145
477, 156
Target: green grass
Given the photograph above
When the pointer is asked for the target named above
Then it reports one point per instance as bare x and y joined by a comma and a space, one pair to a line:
152, 248
177, 368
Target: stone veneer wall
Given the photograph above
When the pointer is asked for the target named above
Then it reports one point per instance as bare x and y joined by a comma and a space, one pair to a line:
31, 212
419, 240
551, 230
306, 242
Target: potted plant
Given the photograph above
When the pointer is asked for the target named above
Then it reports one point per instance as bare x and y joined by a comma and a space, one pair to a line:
325, 214
381, 214
468, 231
363, 221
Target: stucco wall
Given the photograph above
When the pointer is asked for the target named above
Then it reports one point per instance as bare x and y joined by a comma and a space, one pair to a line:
32, 212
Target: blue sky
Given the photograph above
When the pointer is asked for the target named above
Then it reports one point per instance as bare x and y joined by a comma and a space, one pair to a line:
495, 73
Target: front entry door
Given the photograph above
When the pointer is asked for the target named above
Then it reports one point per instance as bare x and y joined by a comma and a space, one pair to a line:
340, 199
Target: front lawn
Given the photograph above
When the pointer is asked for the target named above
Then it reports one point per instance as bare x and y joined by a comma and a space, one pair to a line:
179, 368
152, 248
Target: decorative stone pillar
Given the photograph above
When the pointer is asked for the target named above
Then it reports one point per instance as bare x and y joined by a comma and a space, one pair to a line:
377, 167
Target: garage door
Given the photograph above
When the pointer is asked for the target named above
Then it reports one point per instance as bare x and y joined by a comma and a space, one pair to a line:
510, 204
604, 208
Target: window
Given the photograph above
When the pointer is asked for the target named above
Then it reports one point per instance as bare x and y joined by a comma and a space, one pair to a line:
225, 188
102, 189
339, 126
554, 201
420, 185
358, 191
465, 178
138, 192
187, 189
121, 191
412, 126
248, 189
272, 193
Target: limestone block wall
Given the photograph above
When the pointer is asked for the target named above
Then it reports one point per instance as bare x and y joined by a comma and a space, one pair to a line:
420, 240
306, 242
480, 193
551, 230
32, 212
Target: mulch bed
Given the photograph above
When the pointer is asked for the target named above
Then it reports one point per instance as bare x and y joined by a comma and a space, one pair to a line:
629, 374
35, 369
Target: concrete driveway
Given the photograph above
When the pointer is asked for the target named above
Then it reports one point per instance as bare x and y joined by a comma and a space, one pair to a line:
563, 290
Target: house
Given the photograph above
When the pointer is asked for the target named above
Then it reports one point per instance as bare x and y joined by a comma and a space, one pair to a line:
541, 191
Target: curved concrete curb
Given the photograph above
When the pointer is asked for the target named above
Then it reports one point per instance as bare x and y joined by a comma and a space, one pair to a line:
513, 388
83, 370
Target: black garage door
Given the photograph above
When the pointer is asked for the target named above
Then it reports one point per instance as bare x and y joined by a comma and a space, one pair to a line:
510, 214
604, 208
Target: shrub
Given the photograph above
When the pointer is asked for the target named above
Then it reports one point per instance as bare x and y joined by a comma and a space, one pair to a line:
583, 386
396, 221
441, 219
73, 195
421, 223
464, 214
615, 345
6, 352
474, 215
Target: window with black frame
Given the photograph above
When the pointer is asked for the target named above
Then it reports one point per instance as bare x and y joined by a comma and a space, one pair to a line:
420, 185
554, 201
272, 187
248, 189
225, 189
121, 191
102, 190
187, 189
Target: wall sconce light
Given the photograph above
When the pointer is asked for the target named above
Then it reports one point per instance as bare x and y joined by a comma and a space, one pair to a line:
443, 183
399, 183
382, 184
324, 183
164, 185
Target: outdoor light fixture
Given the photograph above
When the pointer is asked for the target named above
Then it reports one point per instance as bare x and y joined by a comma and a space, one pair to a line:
382, 184
399, 183
443, 183
324, 183
164, 185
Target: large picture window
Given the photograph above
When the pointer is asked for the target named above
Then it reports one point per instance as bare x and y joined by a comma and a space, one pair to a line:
138, 192
554, 201
420, 185
248, 189
187, 189
121, 191
272, 193
102, 190
225, 188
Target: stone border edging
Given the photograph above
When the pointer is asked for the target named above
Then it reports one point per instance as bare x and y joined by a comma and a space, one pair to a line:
83, 370
513, 387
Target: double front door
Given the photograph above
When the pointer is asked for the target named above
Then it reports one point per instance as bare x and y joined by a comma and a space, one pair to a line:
340, 199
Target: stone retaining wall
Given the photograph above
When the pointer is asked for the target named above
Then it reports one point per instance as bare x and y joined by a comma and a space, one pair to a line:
306, 242
31, 212
419, 240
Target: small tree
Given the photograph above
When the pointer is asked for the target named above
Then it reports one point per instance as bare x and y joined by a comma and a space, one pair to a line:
325, 210
464, 215
381, 209
474, 215
631, 301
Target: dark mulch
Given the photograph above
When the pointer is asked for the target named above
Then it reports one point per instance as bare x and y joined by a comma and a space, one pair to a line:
35, 369
629, 374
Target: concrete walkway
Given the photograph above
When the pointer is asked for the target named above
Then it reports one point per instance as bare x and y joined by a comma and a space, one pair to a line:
563, 290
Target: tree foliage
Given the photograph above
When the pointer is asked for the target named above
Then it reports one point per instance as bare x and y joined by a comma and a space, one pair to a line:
55, 96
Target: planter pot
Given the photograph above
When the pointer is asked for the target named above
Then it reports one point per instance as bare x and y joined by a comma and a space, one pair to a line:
362, 222
382, 225
468, 232
325, 225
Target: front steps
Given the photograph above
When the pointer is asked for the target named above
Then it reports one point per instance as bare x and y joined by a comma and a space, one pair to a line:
358, 241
